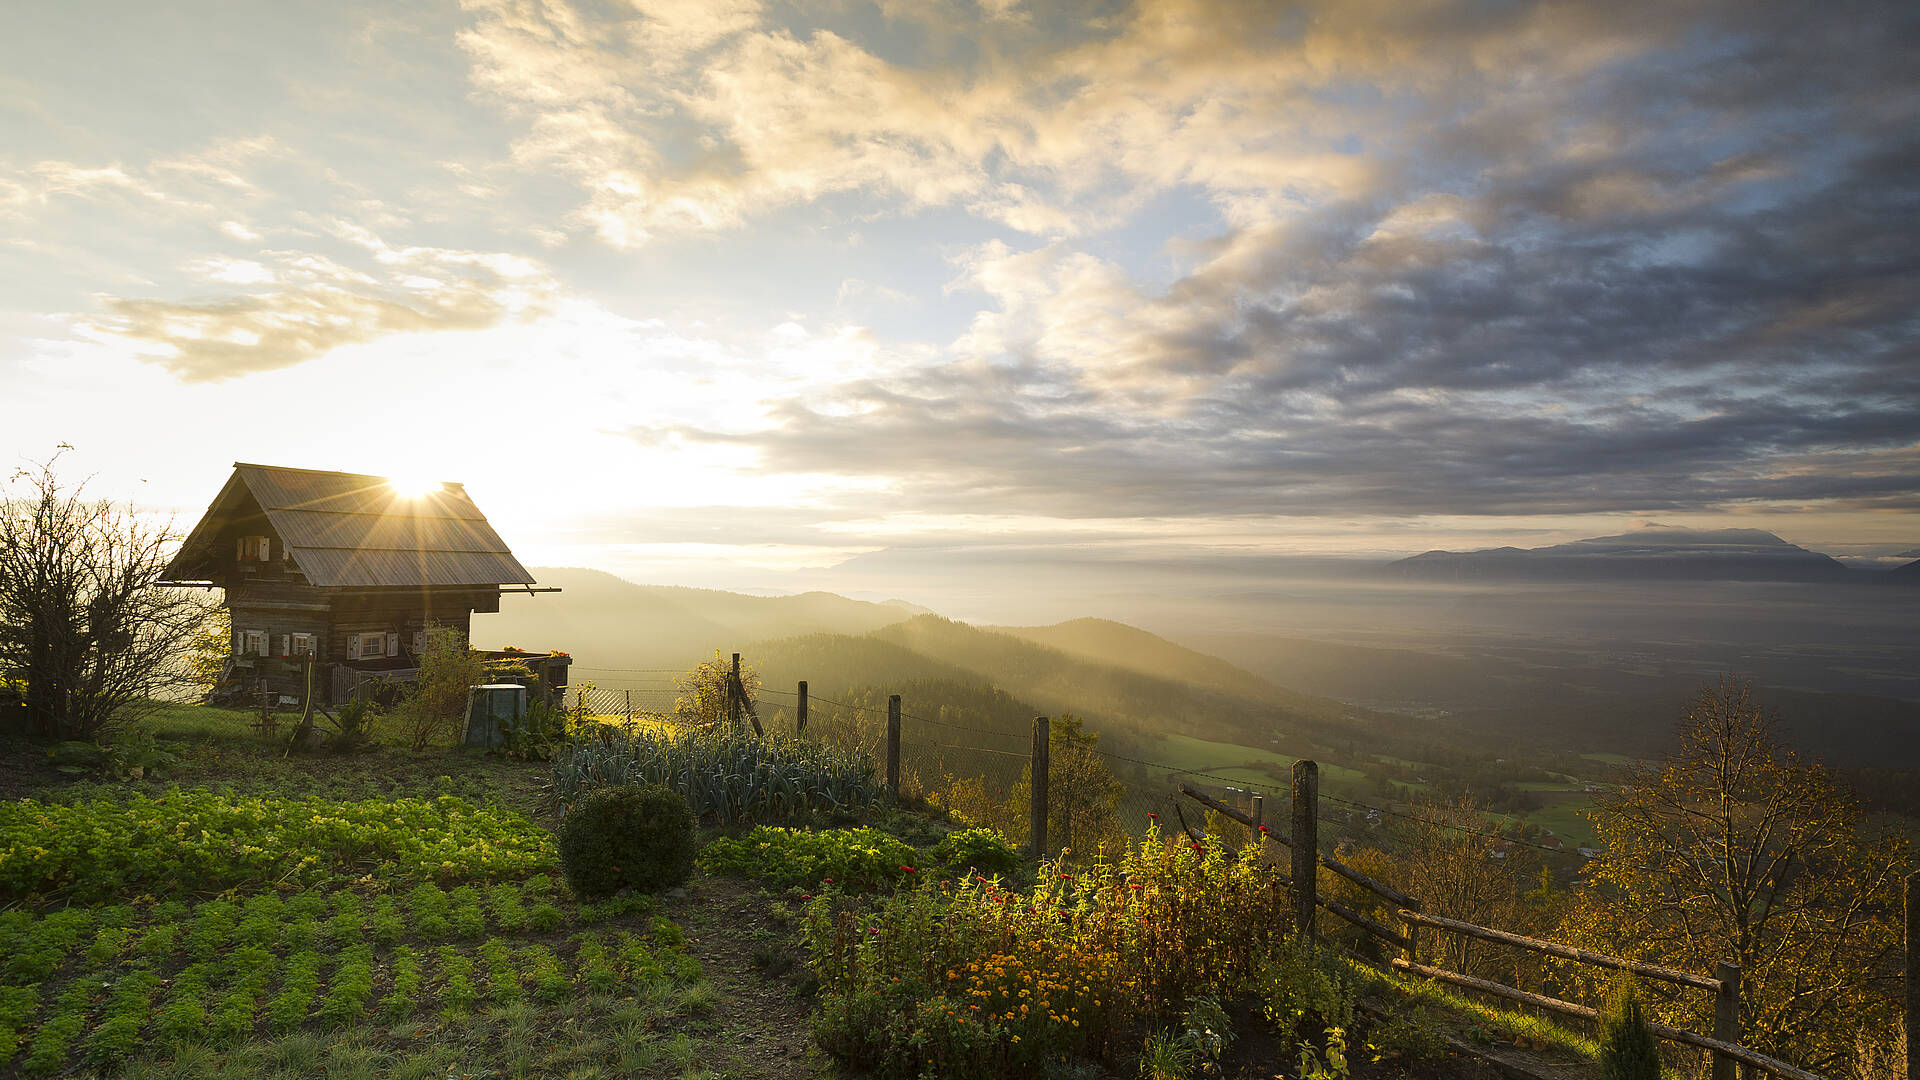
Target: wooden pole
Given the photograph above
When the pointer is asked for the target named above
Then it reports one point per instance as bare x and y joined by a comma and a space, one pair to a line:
1913, 976
893, 747
1306, 846
800, 720
1256, 816
1042, 756
1726, 1016
734, 693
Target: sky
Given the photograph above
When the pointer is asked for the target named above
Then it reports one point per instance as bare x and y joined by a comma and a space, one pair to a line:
735, 293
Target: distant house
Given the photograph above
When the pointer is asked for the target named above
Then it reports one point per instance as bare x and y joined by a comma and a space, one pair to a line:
332, 578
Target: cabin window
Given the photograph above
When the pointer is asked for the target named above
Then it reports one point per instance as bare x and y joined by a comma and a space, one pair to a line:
370, 646
253, 643
255, 548
303, 645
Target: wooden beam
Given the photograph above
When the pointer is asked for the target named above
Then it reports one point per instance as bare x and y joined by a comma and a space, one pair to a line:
1738, 1053
1378, 888
1565, 952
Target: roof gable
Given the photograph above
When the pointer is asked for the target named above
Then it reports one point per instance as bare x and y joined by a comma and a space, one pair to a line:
347, 530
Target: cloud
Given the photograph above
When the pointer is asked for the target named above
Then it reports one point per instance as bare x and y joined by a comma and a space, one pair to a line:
304, 305
1635, 266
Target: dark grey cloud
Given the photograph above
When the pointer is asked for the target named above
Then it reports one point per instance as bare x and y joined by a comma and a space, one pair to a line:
1685, 279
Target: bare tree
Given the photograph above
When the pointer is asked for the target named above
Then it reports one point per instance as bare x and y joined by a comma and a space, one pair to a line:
82, 623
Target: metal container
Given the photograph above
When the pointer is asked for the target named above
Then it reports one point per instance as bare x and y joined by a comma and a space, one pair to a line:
491, 710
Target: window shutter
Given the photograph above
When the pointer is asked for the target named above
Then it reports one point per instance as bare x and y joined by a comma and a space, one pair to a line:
266, 549
393, 644
286, 645
419, 642
353, 646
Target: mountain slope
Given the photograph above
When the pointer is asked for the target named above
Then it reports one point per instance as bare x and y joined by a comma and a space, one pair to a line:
608, 622
1107, 642
1653, 552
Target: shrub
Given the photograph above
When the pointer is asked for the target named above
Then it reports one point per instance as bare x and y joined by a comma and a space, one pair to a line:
627, 837
1627, 1047
984, 851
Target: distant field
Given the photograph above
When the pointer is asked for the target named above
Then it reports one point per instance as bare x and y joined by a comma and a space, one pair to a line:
1231, 760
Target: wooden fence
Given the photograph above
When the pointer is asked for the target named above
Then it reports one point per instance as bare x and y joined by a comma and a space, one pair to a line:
1724, 984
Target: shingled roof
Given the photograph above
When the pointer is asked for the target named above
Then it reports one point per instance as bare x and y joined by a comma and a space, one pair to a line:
353, 531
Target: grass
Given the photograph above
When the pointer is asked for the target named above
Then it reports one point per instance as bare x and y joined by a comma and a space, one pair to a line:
1243, 763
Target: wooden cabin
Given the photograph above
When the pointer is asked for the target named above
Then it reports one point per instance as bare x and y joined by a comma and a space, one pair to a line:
334, 578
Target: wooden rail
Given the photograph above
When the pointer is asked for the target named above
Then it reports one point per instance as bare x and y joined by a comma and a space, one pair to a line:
1565, 952
1679, 1035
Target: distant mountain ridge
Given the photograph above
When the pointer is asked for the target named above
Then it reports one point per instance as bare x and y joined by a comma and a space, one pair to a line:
608, 622
1653, 552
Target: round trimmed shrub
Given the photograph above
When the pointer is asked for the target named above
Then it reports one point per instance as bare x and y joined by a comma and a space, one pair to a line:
627, 837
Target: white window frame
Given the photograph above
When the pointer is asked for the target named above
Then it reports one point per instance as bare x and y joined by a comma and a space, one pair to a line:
255, 548
303, 645
253, 643
372, 645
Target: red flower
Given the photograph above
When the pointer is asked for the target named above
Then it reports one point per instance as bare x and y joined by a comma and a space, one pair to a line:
1153, 817
1066, 877
906, 868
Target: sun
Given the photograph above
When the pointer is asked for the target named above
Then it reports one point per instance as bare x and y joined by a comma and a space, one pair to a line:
413, 487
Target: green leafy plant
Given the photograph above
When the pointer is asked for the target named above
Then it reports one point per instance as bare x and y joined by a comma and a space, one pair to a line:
351, 987
858, 860
627, 837
404, 968
188, 842
1327, 1064
457, 993
980, 850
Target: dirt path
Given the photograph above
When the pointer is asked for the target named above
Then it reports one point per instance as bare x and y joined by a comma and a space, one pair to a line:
761, 1027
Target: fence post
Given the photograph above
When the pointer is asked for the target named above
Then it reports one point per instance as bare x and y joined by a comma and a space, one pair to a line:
1726, 1016
629, 712
1913, 976
800, 719
1042, 755
1412, 930
735, 693
893, 748
1306, 846
1257, 811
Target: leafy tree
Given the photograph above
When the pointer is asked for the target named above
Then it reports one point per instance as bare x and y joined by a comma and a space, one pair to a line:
706, 692
1733, 848
82, 623
209, 648
1083, 795
435, 707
